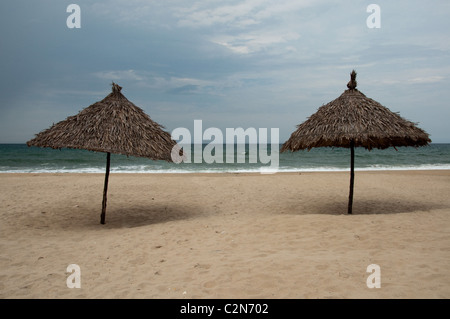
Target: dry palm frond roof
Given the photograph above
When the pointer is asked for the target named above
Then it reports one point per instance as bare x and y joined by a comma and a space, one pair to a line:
353, 116
113, 125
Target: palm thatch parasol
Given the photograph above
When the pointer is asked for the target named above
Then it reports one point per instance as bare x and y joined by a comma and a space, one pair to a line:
112, 125
354, 120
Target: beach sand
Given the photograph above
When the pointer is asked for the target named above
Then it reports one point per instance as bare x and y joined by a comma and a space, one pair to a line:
285, 235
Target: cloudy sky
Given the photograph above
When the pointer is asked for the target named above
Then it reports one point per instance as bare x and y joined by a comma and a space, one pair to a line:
246, 63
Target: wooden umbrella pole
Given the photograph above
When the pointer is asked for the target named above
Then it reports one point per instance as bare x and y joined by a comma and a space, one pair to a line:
105, 189
352, 175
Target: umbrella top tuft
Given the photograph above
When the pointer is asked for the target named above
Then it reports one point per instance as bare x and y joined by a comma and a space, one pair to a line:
116, 88
352, 83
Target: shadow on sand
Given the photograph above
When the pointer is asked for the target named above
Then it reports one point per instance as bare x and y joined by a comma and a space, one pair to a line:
361, 206
74, 218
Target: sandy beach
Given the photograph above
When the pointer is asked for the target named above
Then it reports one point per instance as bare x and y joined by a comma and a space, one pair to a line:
284, 235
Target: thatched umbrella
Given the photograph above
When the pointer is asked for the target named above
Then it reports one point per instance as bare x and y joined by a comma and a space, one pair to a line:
354, 120
112, 125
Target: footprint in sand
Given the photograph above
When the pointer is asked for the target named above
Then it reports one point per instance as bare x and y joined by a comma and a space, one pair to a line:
322, 267
209, 284
202, 266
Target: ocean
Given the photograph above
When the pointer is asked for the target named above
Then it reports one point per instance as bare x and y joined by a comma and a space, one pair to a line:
19, 158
